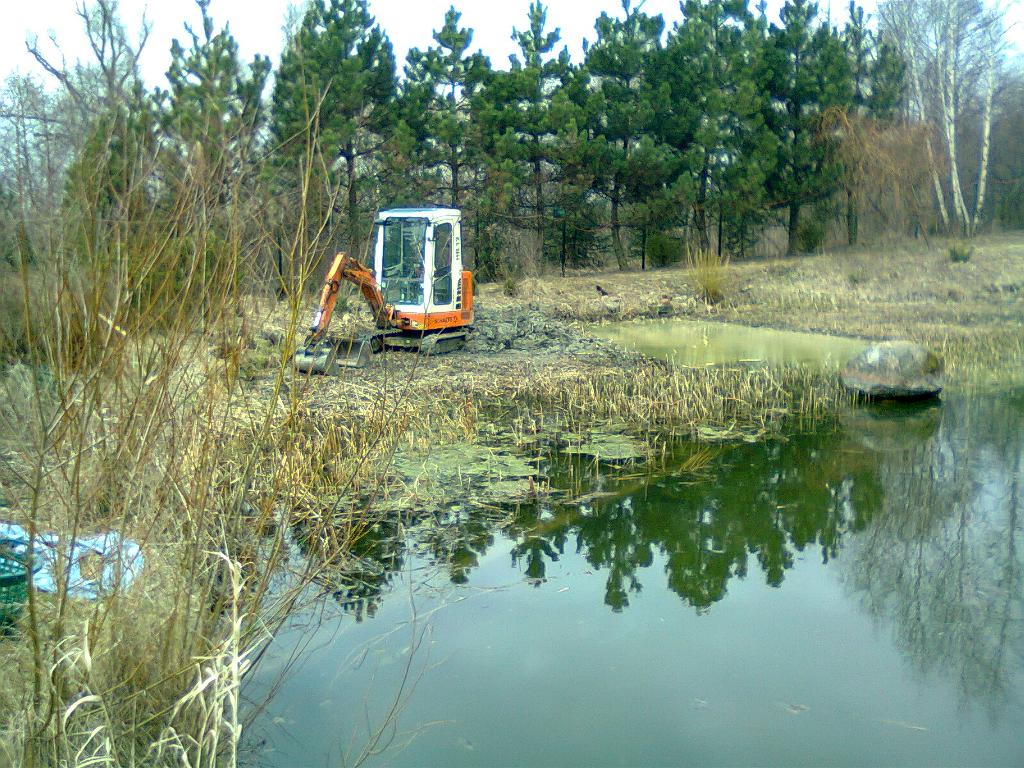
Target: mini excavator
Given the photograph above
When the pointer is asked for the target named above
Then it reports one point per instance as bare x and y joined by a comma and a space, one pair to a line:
420, 296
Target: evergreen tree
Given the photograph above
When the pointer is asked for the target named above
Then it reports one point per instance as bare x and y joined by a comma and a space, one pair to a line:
709, 109
334, 100
621, 105
578, 159
213, 111
809, 74
516, 125
857, 39
876, 76
888, 82
437, 93
858, 42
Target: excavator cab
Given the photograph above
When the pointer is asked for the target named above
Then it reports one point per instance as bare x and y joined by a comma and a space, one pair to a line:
418, 258
421, 297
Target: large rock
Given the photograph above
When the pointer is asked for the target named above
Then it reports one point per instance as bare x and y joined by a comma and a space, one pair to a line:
898, 370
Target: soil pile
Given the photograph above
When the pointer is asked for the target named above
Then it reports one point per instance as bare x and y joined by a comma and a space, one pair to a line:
527, 329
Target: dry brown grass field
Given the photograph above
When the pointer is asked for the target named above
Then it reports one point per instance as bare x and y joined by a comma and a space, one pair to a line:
972, 312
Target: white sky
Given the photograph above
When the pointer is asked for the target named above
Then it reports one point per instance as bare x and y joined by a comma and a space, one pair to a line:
257, 25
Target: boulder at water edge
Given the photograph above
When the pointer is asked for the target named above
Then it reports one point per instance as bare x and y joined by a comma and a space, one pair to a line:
896, 370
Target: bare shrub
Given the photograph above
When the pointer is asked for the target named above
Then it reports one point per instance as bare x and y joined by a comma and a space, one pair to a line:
887, 170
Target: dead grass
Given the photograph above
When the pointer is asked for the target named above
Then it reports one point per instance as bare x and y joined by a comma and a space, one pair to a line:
660, 402
710, 273
973, 312
122, 415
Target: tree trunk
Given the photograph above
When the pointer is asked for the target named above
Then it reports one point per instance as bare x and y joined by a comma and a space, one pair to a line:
940, 196
538, 192
719, 244
986, 139
794, 225
700, 218
948, 93
851, 218
476, 240
643, 248
455, 177
913, 64
352, 208
620, 252
562, 258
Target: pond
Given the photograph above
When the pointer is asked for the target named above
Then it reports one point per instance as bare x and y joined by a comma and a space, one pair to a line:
846, 596
697, 343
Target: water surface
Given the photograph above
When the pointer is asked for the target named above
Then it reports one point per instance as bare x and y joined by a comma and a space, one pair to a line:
848, 596
696, 343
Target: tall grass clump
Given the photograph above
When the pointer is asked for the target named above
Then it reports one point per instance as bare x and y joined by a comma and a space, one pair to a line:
122, 410
709, 271
960, 253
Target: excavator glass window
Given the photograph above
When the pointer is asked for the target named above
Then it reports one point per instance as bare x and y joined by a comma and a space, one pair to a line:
402, 266
442, 286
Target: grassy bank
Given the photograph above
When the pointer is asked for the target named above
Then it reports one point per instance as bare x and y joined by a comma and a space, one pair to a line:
972, 312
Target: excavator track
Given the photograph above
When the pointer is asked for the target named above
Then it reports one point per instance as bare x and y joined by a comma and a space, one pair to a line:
330, 355
427, 344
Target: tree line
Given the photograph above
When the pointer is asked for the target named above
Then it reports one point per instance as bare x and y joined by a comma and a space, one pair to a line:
717, 130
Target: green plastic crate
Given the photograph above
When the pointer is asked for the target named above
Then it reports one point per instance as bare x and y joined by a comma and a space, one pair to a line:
13, 588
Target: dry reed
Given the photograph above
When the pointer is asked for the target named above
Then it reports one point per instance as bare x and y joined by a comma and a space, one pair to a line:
125, 413
710, 273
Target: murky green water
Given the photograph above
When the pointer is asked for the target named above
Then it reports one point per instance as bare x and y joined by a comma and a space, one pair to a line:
690, 342
851, 596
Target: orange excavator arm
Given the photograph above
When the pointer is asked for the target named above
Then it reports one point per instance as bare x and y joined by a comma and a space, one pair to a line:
347, 268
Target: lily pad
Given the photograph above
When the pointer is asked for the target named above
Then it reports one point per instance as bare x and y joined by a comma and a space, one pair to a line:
461, 464
608, 447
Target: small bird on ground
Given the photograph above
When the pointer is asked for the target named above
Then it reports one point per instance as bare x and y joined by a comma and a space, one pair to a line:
601, 291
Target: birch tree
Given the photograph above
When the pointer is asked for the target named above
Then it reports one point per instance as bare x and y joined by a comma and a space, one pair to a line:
952, 49
994, 39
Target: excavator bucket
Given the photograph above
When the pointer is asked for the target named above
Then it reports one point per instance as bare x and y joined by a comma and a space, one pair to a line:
329, 356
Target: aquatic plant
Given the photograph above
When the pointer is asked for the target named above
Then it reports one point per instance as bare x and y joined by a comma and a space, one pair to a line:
660, 401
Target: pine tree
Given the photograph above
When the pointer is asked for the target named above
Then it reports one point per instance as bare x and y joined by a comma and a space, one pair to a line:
334, 95
213, 112
621, 105
438, 89
857, 39
888, 82
876, 76
809, 73
514, 112
710, 109
578, 160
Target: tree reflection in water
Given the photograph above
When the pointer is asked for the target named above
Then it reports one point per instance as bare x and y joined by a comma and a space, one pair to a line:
921, 509
763, 501
941, 560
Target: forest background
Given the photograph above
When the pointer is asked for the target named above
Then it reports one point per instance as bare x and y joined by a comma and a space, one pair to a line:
720, 129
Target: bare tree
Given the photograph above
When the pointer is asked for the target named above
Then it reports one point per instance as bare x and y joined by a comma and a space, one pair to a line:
953, 50
112, 75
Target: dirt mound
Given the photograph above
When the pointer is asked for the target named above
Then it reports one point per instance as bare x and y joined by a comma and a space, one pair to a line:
527, 329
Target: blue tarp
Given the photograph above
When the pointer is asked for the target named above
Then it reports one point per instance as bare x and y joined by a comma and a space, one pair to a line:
91, 565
